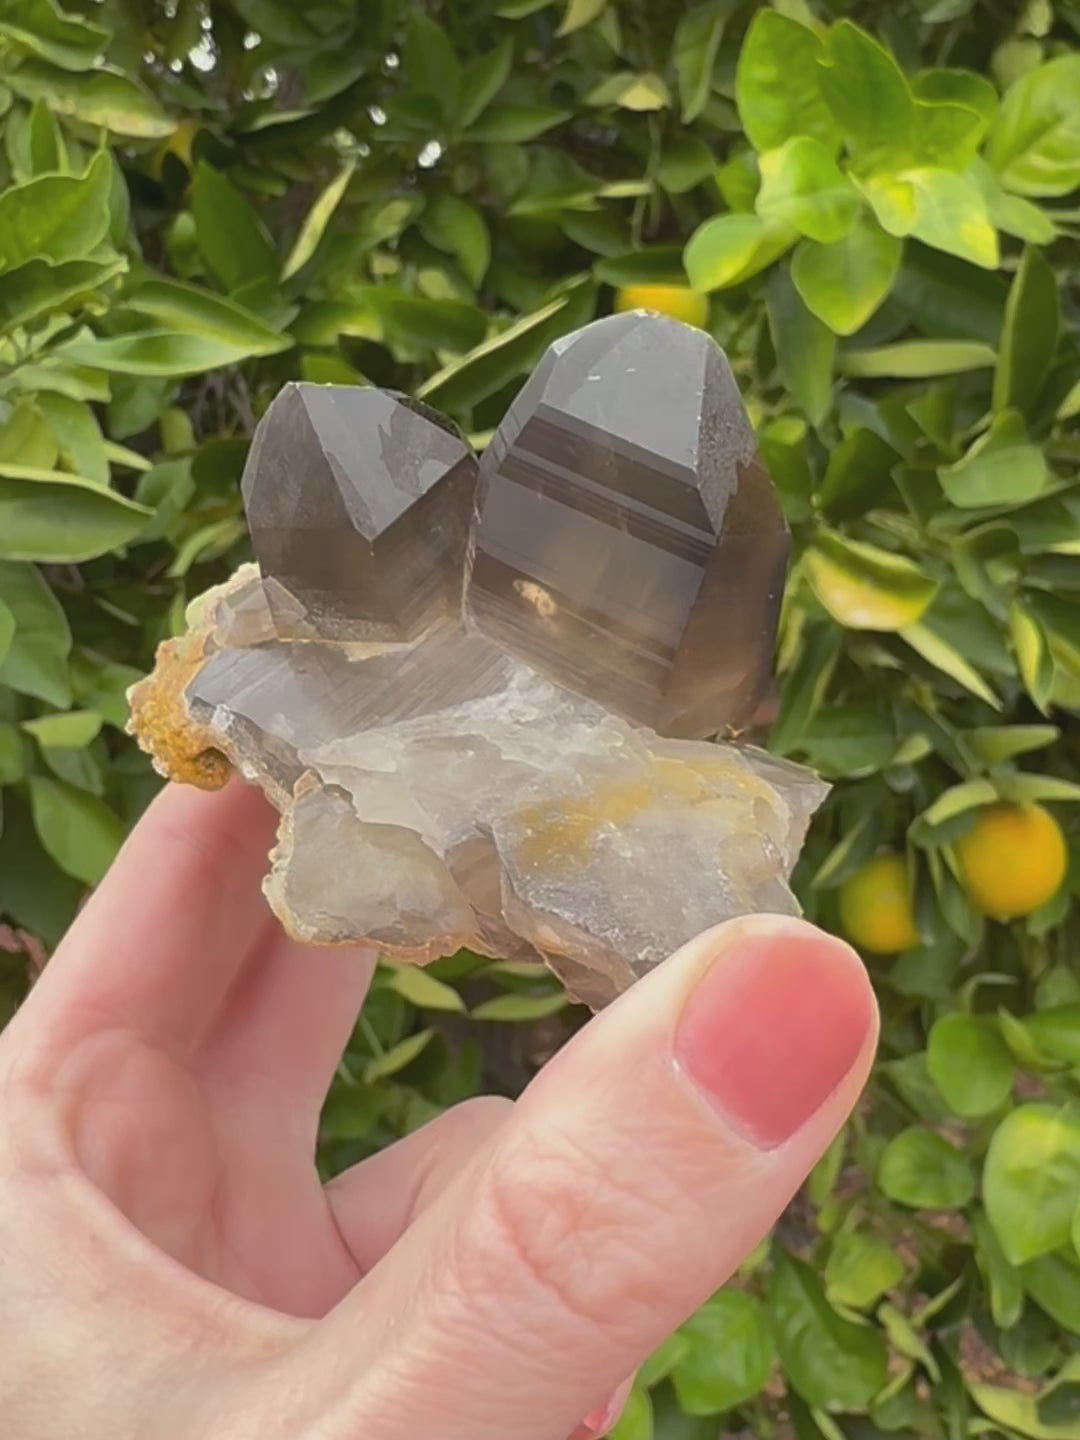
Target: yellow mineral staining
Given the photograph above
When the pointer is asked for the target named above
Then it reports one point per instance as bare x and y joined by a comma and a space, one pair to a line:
181, 749
560, 830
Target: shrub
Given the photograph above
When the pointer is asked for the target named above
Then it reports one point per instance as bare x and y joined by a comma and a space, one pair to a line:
200, 201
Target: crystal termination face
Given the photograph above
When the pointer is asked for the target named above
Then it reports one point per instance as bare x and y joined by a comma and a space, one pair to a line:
499, 764
629, 541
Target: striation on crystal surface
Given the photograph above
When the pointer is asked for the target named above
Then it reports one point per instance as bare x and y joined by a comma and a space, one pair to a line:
358, 502
629, 540
444, 784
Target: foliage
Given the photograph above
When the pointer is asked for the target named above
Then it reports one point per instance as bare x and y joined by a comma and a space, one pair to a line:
201, 200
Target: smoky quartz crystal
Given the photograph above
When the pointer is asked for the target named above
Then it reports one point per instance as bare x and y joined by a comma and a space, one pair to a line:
479, 701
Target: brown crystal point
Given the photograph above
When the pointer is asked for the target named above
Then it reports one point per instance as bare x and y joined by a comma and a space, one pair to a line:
628, 540
359, 507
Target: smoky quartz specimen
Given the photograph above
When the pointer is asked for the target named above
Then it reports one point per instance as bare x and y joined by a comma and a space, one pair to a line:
501, 762
358, 503
629, 542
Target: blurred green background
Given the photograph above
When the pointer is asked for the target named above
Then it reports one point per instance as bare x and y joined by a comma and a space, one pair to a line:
875, 211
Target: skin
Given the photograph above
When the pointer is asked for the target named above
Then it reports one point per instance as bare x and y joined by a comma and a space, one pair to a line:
171, 1266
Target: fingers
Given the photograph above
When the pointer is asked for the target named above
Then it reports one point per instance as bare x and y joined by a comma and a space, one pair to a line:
376, 1201
164, 936
287, 1019
637, 1172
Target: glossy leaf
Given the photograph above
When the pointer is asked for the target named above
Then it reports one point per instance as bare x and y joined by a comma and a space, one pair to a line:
844, 283
868, 95
1002, 467
1030, 334
1035, 141
864, 587
831, 1361
970, 1064
777, 83
1031, 1180
103, 97
803, 187
731, 248
727, 1357
79, 831
55, 217
919, 1168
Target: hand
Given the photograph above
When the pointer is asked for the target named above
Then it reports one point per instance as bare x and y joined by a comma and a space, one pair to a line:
171, 1267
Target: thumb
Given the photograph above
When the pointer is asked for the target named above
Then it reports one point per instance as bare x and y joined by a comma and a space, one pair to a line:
636, 1173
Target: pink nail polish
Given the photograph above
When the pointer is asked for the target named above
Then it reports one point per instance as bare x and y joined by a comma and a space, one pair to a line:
773, 1027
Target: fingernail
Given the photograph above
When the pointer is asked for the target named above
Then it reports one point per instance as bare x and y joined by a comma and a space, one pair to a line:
773, 1027
599, 1421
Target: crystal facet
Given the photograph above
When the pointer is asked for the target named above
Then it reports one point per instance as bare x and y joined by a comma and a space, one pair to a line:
509, 784
359, 505
629, 542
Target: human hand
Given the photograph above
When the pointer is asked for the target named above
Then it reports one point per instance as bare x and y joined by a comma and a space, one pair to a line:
171, 1267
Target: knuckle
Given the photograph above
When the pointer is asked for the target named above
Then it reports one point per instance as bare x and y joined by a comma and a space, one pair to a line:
573, 1232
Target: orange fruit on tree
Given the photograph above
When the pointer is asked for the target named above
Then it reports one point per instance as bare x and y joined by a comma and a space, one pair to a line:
1012, 860
678, 301
876, 910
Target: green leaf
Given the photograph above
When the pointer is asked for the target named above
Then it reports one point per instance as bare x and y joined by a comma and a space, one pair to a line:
458, 227
1002, 467
686, 162
71, 730
868, 95
803, 187
916, 359
37, 286
509, 124
1019, 1411
1054, 1284
50, 516
805, 687
995, 744
482, 80
495, 362
731, 248
777, 84
414, 984
697, 41
951, 215
920, 1168
55, 217
36, 659
1003, 1281
728, 1355
47, 149
7, 631
1034, 657
75, 428
832, 1362
156, 352
958, 800
632, 90
864, 587
77, 829
520, 1007
103, 97
636, 1420
946, 658
316, 220
970, 1064
1009, 212
860, 1269
1035, 141
231, 237
1031, 1180
397, 1057
190, 309
957, 87
1030, 335
1056, 1031
859, 473
42, 28
414, 320
579, 13
804, 347
843, 283
946, 134
429, 64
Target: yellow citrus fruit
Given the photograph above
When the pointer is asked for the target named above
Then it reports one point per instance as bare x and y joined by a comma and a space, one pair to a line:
1012, 860
875, 906
678, 301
